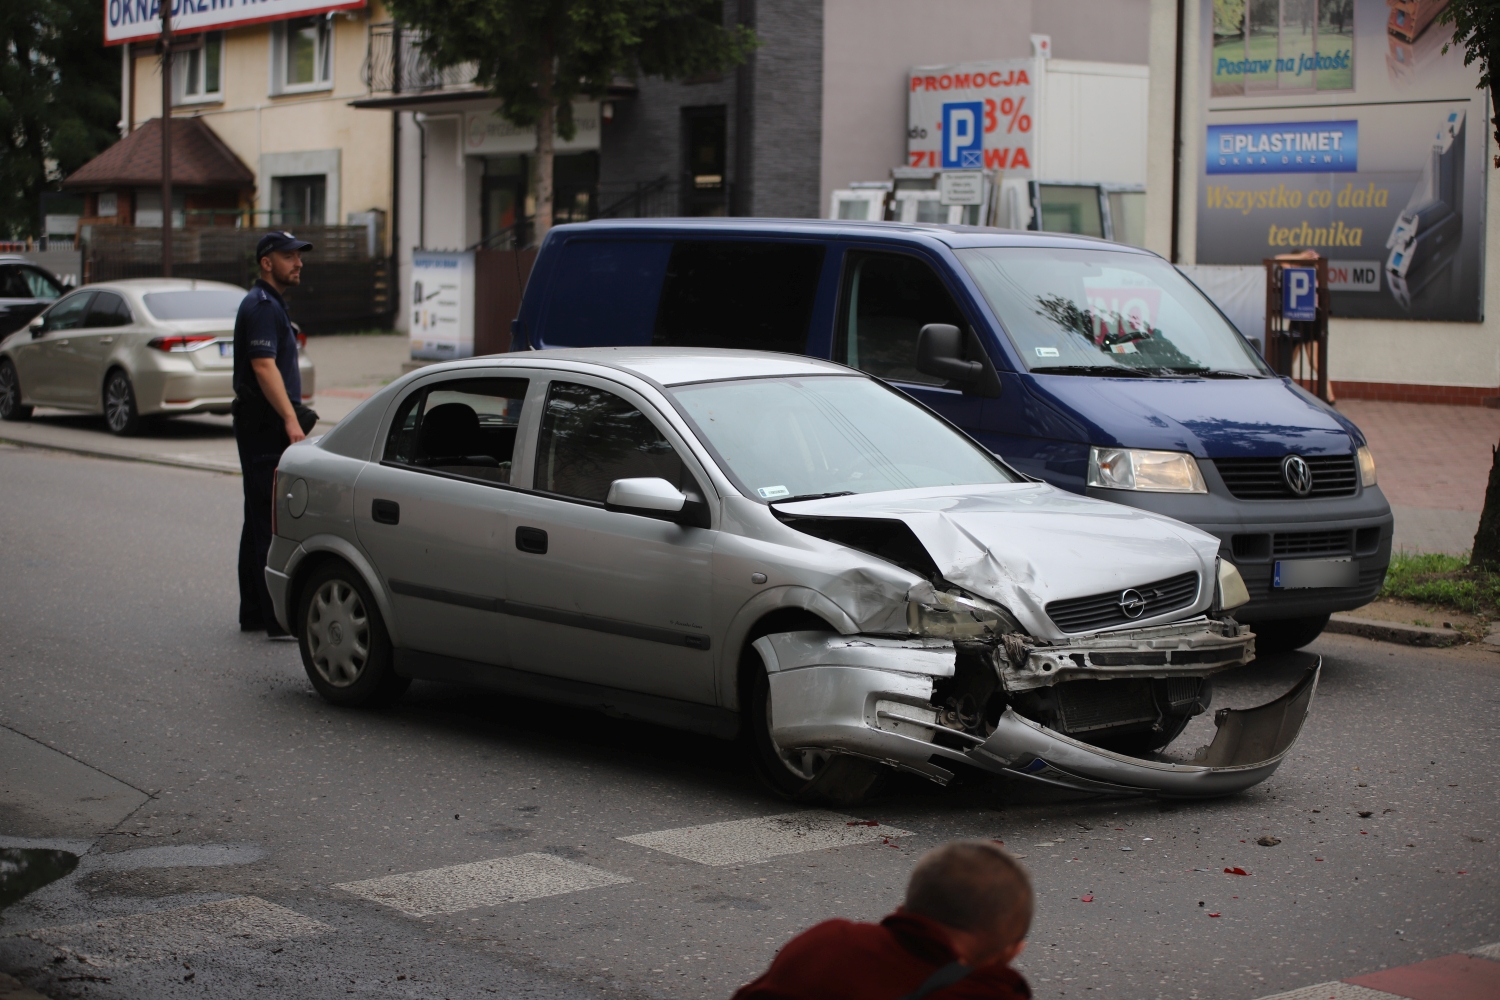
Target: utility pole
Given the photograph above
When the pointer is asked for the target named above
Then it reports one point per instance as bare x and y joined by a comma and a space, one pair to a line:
166, 138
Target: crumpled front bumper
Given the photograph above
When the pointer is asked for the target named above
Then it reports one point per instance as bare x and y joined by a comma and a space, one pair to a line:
870, 697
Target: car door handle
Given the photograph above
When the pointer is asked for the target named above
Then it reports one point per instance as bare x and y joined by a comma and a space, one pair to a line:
385, 512
106, 340
532, 540
61, 343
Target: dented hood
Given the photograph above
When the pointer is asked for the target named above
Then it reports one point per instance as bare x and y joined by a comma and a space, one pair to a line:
1025, 545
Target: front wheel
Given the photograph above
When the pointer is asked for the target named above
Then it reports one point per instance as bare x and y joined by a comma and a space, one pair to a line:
10, 394
120, 413
803, 775
1286, 634
345, 648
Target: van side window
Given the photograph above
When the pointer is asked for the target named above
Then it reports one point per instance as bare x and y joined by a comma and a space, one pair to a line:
591, 437
886, 299
604, 293
721, 293
466, 427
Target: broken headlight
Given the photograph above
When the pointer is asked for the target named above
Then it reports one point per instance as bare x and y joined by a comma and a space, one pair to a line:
1232, 591
955, 615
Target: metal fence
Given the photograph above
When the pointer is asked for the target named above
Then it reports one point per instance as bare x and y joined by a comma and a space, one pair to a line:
412, 72
661, 198
343, 286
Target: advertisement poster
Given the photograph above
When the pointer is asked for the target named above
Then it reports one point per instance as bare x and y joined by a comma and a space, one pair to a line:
442, 304
1339, 126
973, 116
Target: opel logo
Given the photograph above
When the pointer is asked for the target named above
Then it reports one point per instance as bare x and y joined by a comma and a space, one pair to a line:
1132, 603
1298, 475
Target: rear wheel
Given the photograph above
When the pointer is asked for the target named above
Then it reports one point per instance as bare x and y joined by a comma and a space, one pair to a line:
10, 394
120, 413
345, 648
1286, 634
802, 775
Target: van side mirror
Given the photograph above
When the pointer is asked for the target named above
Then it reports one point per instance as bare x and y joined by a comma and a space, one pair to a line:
940, 352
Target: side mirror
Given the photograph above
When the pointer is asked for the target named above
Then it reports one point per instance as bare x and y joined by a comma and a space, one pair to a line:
653, 497
940, 352
38, 327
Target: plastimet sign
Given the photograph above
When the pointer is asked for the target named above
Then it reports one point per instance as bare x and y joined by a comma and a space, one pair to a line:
973, 116
138, 20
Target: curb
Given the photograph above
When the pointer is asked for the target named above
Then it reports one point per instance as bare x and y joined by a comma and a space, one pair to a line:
13, 989
1410, 635
97, 453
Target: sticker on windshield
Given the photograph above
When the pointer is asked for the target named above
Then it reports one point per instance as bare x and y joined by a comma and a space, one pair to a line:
1047, 352
772, 492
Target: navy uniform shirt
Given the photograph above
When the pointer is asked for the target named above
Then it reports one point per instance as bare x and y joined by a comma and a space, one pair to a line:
262, 329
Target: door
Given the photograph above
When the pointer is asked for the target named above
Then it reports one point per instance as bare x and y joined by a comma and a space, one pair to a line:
42, 362
886, 300
434, 514
604, 596
24, 292
82, 369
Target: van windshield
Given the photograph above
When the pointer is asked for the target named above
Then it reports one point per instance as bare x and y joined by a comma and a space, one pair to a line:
1102, 312
782, 438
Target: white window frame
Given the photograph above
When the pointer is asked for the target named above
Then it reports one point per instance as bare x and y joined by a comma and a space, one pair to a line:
323, 58
182, 64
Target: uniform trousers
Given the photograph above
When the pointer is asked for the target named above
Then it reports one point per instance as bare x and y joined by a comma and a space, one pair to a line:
261, 439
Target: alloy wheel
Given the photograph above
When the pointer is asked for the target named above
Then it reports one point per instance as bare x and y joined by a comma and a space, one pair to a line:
10, 391
119, 403
338, 633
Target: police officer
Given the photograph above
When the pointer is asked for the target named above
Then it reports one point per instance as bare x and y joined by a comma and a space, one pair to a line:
267, 401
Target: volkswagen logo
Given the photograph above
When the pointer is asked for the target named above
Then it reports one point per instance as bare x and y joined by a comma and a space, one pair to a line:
1132, 603
1298, 475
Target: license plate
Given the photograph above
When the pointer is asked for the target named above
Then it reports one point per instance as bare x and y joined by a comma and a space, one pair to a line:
226, 349
1305, 574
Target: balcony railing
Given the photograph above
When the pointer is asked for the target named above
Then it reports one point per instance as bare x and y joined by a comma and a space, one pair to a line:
384, 72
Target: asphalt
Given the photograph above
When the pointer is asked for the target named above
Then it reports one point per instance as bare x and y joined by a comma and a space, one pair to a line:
226, 816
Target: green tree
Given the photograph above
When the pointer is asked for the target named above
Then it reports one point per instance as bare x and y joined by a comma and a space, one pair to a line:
59, 100
538, 56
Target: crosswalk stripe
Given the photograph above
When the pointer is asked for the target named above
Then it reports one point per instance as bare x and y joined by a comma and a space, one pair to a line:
1332, 991
481, 883
744, 841
1487, 951
172, 934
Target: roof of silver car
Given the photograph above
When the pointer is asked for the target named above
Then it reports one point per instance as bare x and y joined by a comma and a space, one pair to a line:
680, 365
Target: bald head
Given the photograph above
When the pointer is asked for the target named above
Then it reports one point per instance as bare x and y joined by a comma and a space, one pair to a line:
973, 886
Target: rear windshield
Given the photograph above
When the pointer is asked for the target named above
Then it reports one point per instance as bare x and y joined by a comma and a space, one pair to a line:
198, 303
1072, 312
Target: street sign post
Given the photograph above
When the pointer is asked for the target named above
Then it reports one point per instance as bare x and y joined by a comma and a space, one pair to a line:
1297, 318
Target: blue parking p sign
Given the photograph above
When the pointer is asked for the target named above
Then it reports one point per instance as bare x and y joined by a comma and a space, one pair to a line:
1299, 293
963, 137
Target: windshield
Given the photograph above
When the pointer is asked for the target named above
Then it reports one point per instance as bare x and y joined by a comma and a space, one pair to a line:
800, 437
1104, 312
201, 303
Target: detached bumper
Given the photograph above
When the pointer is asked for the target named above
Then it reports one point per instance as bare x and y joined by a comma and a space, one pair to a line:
872, 698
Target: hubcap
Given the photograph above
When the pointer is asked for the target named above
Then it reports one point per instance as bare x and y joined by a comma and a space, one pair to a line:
117, 402
338, 633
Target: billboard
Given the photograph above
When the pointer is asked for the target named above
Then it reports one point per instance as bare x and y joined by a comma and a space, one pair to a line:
140, 20
973, 116
442, 304
1340, 126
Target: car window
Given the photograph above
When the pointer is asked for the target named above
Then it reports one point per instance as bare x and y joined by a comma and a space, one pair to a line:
198, 303
465, 427
108, 310
69, 313
590, 437
604, 293
12, 284
721, 293
886, 300
39, 284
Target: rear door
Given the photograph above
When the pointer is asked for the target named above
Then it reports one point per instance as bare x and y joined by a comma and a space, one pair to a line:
82, 371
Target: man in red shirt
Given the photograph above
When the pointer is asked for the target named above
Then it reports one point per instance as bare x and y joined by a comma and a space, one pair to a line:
968, 908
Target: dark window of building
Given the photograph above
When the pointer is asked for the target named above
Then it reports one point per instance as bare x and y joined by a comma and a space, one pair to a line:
726, 294
301, 201
604, 293
887, 298
507, 203
705, 185
591, 437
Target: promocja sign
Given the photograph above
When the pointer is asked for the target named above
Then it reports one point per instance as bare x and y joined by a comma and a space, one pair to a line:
973, 116
140, 20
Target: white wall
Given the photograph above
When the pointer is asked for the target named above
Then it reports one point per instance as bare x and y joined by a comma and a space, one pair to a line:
1093, 122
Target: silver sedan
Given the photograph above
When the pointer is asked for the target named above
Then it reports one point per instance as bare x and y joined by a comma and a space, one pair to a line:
129, 350
765, 547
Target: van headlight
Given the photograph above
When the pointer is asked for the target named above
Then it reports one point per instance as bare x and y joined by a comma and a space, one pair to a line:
1366, 460
1151, 471
1232, 591
953, 615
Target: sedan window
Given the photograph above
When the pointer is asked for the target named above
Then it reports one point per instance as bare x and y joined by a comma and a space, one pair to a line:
591, 437
108, 310
465, 427
69, 313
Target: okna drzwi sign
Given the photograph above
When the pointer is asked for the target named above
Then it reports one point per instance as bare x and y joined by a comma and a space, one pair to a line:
138, 20
973, 116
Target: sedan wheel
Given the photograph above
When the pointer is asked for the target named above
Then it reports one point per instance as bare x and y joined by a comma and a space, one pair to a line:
10, 394
345, 649
120, 413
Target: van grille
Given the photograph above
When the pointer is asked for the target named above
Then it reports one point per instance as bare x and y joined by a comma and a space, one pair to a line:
1312, 543
1261, 479
1084, 614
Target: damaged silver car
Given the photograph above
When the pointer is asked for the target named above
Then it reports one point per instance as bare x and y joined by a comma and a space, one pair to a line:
765, 547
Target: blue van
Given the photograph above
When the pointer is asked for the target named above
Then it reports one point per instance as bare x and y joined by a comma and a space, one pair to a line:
1094, 366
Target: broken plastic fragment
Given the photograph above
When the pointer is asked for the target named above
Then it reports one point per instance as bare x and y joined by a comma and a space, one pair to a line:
1213, 914
1085, 899
1268, 841
1235, 871
1366, 813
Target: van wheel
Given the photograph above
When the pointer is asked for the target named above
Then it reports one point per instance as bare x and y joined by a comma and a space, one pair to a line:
10, 394
344, 645
1286, 634
803, 775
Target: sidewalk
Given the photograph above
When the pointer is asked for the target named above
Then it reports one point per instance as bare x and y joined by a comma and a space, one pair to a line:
1472, 975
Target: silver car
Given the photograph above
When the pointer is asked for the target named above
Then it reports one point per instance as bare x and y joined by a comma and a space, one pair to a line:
129, 350
763, 546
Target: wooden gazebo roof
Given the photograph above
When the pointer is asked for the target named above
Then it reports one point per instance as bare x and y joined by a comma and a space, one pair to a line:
199, 159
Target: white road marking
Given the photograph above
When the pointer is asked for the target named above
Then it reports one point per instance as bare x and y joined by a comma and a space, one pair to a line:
743, 841
482, 883
1487, 951
1333, 991
172, 934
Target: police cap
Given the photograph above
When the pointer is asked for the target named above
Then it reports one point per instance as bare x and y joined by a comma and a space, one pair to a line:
279, 240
